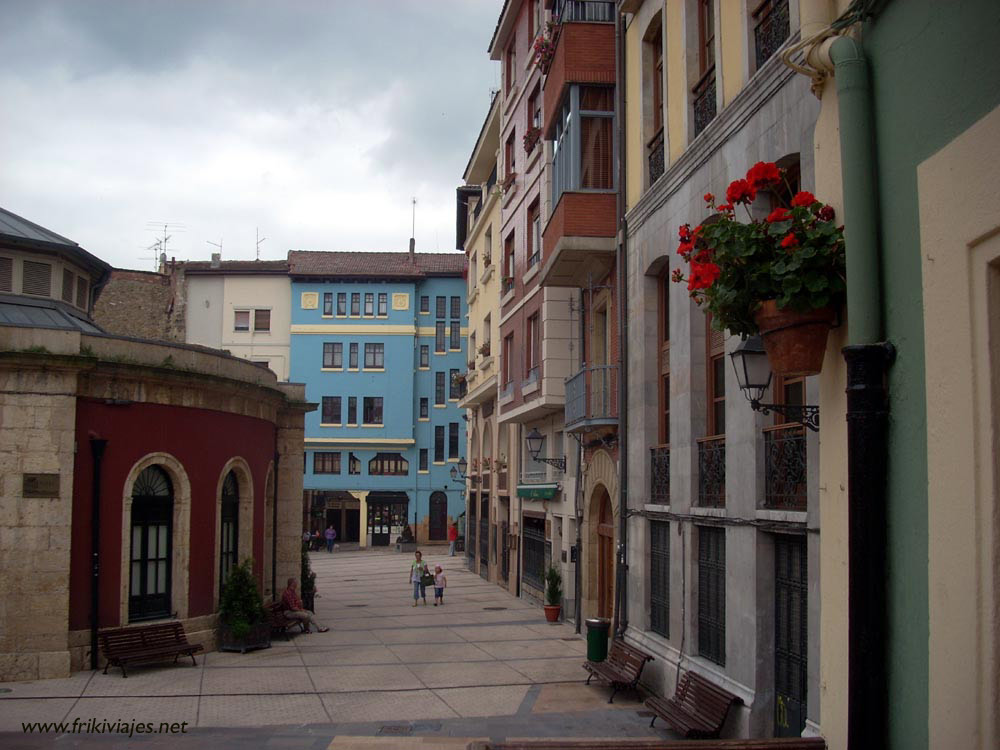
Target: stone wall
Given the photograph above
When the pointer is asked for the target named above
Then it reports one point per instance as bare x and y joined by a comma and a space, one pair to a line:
140, 304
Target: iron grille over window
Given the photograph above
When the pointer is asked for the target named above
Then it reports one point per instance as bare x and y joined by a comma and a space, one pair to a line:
656, 159
659, 577
659, 484
785, 467
704, 101
712, 472
534, 551
712, 594
771, 30
791, 632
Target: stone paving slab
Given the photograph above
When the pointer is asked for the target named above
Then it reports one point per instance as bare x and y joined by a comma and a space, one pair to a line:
142, 710
351, 655
364, 678
17, 710
465, 674
507, 650
387, 707
172, 680
255, 680
503, 700
566, 669
260, 710
420, 653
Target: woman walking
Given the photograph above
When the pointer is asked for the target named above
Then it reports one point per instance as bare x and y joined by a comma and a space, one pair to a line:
418, 568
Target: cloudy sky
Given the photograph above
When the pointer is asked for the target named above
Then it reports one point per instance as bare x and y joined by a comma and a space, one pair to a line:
315, 120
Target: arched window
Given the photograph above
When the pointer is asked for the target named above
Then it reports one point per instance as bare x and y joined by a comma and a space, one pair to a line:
151, 553
388, 464
229, 530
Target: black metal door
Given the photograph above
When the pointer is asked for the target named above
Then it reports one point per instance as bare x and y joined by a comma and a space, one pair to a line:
438, 516
504, 553
484, 536
790, 636
380, 524
470, 532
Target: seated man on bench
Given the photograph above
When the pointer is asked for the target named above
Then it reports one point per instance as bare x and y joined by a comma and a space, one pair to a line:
294, 610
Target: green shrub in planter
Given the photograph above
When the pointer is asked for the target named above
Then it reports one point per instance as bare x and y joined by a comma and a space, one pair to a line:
241, 606
553, 587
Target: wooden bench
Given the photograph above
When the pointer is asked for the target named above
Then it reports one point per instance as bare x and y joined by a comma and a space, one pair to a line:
622, 667
697, 709
280, 623
784, 743
146, 643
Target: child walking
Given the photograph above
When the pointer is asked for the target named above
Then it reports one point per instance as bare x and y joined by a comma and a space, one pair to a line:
439, 583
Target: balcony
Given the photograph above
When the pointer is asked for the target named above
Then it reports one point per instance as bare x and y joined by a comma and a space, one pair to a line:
593, 11
712, 472
659, 475
592, 399
704, 101
785, 467
772, 29
579, 239
655, 157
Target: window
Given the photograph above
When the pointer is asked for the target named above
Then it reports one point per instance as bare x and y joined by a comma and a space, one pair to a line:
341, 303
425, 304
81, 292
510, 154
439, 336
6, 274
532, 346
229, 528
454, 391
439, 388
535, 108
369, 304
352, 410
771, 28
262, 320
534, 18
326, 463
372, 410
534, 234
510, 68
508, 351
716, 344
328, 303
583, 153
423, 460
424, 403
439, 444
333, 355
355, 303
456, 307
508, 264
353, 464
703, 92
352, 362
712, 594
425, 355
706, 35
664, 356
453, 440
37, 278
241, 320
331, 409
441, 307
389, 464
656, 73
67, 287
374, 355
383, 303
151, 552
455, 336
659, 577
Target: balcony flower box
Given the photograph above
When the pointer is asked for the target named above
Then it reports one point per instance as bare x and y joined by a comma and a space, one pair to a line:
508, 182
472, 364
545, 45
485, 349
531, 138
783, 277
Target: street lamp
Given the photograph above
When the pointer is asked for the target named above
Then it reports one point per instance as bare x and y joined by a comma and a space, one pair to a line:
459, 475
534, 441
753, 373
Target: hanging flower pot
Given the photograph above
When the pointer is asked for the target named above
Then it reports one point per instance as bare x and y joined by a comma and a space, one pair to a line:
795, 341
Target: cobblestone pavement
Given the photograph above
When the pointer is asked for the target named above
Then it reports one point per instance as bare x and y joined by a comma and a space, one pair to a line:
484, 666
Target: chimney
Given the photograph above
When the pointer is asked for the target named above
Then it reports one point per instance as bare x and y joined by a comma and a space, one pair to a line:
216, 260
413, 244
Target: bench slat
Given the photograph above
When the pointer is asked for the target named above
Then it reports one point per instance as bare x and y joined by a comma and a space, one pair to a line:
145, 643
697, 709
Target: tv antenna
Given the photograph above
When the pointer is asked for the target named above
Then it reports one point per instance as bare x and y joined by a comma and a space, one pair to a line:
259, 240
168, 229
216, 244
413, 226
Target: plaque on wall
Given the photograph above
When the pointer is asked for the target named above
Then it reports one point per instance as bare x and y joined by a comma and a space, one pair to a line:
40, 485
310, 300
400, 301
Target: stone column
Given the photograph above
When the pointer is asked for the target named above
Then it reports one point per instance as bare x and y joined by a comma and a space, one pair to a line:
290, 446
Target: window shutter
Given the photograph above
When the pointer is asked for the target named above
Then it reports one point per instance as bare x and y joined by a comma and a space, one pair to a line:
659, 576
262, 320
595, 153
82, 287
37, 279
716, 339
67, 290
6, 274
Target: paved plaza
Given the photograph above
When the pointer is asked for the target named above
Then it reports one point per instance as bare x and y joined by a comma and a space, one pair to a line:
484, 666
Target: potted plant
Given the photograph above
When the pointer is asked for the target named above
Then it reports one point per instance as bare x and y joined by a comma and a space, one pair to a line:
485, 348
243, 623
530, 139
545, 45
472, 364
783, 276
553, 594
307, 583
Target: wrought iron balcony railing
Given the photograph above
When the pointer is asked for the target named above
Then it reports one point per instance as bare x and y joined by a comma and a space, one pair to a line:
772, 28
712, 472
659, 479
656, 160
704, 101
600, 11
592, 396
785, 467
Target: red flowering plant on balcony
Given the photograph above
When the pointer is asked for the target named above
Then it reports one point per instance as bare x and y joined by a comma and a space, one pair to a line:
794, 256
545, 44
531, 138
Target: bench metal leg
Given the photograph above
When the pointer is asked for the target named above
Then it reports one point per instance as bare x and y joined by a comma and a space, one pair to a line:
193, 660
654, 719
589, 677
614, 689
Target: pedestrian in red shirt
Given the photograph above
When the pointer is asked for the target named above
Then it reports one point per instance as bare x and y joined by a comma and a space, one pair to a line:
292, 606
452, 538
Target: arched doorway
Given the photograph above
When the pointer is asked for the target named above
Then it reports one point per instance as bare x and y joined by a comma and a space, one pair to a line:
229, 528
438, 517
151, 551
605, 556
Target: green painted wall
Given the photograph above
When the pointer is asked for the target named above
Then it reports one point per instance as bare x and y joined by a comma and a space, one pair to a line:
935, 71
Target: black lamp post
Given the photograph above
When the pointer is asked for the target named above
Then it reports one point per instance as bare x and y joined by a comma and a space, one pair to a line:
534, 441
753, 373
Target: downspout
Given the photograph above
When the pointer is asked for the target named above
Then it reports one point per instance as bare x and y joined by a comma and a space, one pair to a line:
578, 512
868, 359
621, 582
97, 447
274, 523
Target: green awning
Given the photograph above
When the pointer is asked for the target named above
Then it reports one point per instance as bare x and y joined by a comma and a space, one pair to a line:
537, 491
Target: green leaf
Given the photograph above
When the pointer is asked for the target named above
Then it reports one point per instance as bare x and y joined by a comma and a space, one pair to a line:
816, 282
791, 284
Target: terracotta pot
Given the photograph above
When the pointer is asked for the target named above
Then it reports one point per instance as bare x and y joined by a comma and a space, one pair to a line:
552, 612
795, 341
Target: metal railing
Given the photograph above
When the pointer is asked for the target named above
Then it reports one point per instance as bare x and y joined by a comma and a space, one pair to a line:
592, 394
712, 472
656, 159
772, 29
659, 474
490, 183
704, 101
600, 11
785, 467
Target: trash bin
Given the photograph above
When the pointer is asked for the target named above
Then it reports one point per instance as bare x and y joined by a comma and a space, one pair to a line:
597, 638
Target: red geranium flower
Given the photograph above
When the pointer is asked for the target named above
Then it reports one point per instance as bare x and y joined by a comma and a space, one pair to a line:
685, 247
778, 214
790, 241
709, 198
703, 256
677, 275
740, 191
763, 174
825, 213
804, 198
725, 207
703, 275
684, 233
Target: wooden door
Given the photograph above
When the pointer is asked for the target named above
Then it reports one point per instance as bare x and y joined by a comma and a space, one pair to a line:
605, 559
438, 517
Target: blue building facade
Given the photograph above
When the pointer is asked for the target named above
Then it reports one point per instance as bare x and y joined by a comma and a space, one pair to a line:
379, 339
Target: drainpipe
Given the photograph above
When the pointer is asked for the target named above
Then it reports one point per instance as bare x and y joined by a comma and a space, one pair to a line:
578, 512
274, 523
868, 359
621, 579
97, 447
